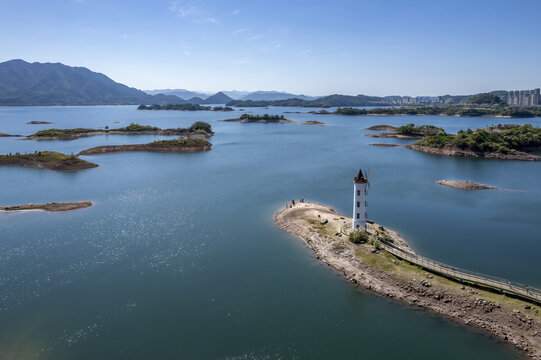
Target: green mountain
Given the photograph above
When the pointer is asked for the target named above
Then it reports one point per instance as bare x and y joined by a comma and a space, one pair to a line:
23, 83
326, 101
218, 98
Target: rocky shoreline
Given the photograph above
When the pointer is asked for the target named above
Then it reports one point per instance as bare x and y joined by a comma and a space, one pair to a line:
49, 207
510, 320
469, 153
143, 147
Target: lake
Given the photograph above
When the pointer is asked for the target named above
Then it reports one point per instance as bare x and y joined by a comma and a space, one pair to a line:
179, 257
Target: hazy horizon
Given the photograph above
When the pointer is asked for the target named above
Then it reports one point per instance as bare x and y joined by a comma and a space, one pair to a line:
302, 47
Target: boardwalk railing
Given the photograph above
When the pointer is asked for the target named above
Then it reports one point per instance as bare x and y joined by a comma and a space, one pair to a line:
502, 285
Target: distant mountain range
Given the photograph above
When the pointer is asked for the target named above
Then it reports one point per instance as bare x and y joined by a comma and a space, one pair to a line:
326, 101
181, 93
23, 83
233, 94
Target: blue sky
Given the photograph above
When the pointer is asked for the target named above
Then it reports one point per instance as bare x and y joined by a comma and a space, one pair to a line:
382, 47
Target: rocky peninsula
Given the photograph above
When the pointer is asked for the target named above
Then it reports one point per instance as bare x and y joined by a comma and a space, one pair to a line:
180, 145
49, 207
47, 160
465, 185
366, 265
196, 129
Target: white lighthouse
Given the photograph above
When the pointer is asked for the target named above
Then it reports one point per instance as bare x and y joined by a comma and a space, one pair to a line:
359, 201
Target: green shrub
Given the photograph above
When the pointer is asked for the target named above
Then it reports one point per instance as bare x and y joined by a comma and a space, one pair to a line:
358, 236
200, 125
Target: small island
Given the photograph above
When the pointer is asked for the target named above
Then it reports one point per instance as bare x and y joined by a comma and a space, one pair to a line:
50, 207
265, 118
184, 107
312, 122
8, 135
35, 122
197, 129
180, 145
367, 260
381, 128
465, 185
506, 142
409, 131
47, 160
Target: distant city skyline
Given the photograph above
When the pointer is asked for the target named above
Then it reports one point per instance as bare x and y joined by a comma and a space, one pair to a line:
303, 47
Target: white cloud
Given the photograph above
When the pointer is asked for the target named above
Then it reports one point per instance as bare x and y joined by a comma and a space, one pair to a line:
255, 37
239, 31
184, 8
232, 13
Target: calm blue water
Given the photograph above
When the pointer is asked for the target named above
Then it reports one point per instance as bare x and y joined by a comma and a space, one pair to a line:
179, 258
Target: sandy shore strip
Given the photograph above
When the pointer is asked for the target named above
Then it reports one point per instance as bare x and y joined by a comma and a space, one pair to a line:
50, 207
509, 319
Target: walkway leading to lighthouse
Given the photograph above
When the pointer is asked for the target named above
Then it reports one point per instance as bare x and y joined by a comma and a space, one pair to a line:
498, 284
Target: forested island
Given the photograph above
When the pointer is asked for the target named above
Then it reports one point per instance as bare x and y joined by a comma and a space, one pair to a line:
265, 118
198, 128
51, 160
511, 142
184, 107
180, 145
449, 110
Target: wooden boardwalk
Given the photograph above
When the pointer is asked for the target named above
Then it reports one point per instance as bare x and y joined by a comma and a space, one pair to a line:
504, 286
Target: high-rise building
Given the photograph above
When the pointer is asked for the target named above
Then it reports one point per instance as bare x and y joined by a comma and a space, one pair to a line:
523, 98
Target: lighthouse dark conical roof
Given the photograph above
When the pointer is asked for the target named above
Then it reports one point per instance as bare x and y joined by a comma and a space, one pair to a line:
360, 179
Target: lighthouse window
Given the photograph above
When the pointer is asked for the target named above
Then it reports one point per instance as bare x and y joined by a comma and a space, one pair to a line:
358, 192
358, 216
358, 204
